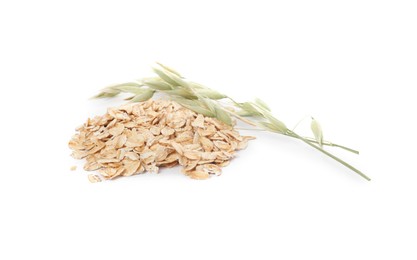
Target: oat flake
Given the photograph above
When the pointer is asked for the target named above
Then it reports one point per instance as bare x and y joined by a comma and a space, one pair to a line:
146, 136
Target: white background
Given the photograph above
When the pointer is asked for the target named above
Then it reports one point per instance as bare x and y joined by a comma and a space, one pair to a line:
351, 64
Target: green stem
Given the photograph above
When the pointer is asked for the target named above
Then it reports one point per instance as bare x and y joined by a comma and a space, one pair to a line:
332, 145
310, 143
327, 143
291, 133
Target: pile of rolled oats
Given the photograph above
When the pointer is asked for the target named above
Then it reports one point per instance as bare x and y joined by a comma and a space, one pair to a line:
145, 136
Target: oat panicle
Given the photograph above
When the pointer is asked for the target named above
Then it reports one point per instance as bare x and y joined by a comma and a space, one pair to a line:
213, 104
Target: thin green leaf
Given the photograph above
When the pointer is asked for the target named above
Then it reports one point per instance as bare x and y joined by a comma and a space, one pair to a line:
157, 84
262, 104
277, 124
209, 104
169, 69
144, 96
194, 105
171, 78
114, 90
131, 89
196, 85
164, 76
317, 131
181, 92
107, 93
248, 109
179, 81
130, 84
269, 127
209, 93
185, 101
223, 116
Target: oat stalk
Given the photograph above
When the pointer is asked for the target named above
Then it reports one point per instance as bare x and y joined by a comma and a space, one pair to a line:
211, 103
